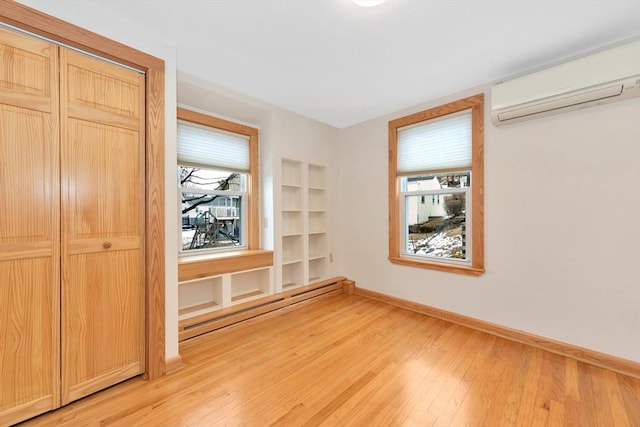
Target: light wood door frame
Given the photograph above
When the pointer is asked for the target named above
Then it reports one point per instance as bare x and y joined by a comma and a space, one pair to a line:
39, 23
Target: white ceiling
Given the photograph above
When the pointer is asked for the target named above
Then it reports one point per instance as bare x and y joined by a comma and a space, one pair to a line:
342, 64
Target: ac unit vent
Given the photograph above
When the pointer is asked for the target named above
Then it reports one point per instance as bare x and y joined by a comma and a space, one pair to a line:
608, 76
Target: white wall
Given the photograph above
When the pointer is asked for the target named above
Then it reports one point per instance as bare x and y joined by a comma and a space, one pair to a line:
557, 264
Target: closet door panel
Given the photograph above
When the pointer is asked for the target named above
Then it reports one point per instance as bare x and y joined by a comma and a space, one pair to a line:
29, 228
28, 72
102, 225
102, 349
26, 176
101, 92
103, 186
26, 341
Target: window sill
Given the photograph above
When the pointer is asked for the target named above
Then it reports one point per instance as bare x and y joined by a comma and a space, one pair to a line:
449, 268
198, 266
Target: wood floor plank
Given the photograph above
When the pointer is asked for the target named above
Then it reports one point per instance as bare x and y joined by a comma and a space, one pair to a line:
601, 398
615, 399
348, 360
512, 405
500, 373
630, 390
542, 403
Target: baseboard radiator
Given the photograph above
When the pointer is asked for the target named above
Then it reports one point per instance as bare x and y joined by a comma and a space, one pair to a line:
191, 328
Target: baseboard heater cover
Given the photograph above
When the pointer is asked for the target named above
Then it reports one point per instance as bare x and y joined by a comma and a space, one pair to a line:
237, 313
288, 299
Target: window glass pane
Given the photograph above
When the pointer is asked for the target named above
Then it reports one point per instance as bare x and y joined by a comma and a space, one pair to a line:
210, 179
437, 227
210, 221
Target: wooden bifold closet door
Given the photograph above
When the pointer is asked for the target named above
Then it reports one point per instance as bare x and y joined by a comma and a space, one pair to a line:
102, 224
29, 227
71, 226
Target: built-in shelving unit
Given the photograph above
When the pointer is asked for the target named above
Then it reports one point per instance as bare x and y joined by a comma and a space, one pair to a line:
318, 251
292, 224
211, 286
200, 297
215, 290
303, 229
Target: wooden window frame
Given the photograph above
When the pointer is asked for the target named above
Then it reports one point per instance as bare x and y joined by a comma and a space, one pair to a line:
476, 104
221, 262
253, 189
41, 24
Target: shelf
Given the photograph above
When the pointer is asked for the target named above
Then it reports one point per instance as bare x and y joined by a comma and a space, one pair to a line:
250, 285
291, 173
317, 200
317, 176
216, 264
291, 222
291, 198
292, 275
292, 248
317, 222
317, 269
199, 296
197, 310
242, 297
318, 245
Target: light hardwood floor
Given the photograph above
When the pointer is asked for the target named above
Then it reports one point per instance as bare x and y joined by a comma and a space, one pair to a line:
348, 360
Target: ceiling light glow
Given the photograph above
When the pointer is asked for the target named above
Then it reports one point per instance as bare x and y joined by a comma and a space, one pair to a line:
368, 3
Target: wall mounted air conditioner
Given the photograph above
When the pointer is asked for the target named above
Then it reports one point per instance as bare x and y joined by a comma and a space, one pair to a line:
607, 76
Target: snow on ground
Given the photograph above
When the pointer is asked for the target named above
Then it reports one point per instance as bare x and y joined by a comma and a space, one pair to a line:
440, 245
187, 237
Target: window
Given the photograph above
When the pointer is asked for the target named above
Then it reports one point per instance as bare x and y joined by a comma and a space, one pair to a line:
217, 184
436, 188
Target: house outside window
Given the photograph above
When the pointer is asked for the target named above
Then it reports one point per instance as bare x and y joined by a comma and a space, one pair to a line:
436, 177
217, 183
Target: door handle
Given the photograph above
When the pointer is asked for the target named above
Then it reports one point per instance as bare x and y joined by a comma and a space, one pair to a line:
106, 245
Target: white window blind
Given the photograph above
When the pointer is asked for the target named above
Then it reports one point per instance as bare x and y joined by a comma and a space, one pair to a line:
438, 145
208, 147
